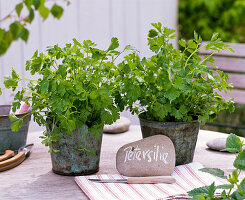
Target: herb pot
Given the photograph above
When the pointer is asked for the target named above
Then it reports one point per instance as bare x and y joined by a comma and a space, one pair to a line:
182, 134
9, 139
69, 161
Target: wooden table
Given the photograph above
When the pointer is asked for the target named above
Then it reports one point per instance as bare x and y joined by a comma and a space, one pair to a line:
34, 179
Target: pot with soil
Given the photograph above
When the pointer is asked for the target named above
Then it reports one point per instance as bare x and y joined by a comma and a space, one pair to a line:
10, 140
174, 90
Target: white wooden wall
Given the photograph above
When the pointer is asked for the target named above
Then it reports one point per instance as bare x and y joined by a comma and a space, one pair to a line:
97, 20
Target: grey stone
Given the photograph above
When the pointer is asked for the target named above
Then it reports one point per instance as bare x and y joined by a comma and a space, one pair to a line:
217, 144
151, 156
120, 126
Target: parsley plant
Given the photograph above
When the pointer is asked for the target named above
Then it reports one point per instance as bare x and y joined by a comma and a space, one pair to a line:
174, 85
76, 87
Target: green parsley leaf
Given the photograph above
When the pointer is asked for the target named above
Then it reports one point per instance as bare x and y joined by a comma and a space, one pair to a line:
214, 171
152, 33
233, 144
239, 162
17, 125
114, 44
182, 43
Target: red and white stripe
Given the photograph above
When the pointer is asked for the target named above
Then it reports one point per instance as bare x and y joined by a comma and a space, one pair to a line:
187, 177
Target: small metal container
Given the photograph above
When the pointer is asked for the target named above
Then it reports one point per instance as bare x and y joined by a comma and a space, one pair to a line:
9, 139
183, 135
69, 161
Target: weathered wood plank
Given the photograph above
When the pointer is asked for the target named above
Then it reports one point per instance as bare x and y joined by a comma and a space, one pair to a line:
238, 80
230, 64
238, 48
238, 95
234, 65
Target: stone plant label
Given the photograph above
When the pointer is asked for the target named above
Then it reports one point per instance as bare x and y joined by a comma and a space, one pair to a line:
151, 156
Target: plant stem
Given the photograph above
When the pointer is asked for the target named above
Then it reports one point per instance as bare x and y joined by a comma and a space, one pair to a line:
30, 91
196, 50
26, 79
207, 57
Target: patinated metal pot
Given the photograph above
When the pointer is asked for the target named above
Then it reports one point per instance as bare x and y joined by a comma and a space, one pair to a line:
69, 161
9, 139
183, 135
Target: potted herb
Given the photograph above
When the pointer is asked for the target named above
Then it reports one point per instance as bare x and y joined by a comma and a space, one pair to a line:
73, 98
174, 90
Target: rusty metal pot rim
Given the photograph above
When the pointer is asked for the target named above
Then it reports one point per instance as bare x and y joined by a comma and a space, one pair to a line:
22, 114
146, 120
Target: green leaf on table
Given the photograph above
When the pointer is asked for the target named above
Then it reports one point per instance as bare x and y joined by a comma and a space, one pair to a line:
203, 191
15, 29
17, 125
239, 162
225, 186
18, 8
57, 11
199, 191
214, 171
114, 44
0, 91
233, 143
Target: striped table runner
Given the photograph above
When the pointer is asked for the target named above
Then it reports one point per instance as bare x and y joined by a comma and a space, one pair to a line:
187, 177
